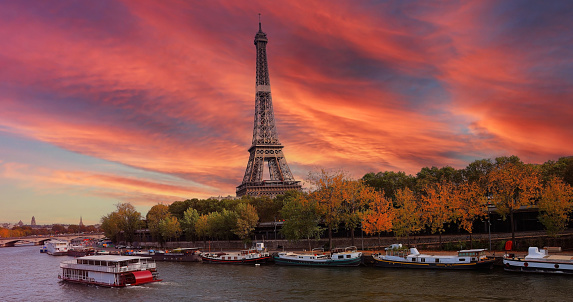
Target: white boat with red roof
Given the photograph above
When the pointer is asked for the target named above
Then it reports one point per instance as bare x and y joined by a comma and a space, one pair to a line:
110, 270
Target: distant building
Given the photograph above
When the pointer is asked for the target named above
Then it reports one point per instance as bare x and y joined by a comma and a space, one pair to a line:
33, 221
81, 222
20, 223
219, 198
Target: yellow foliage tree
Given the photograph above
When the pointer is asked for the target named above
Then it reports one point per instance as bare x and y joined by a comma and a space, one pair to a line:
406, 214
555, 204
328, 195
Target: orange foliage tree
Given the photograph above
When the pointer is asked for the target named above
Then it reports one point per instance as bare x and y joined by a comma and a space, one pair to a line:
437, 206
470, 203
555, 204
513, 185
328, 188
377, 218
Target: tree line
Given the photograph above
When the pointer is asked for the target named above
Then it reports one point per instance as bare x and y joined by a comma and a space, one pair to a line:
378, 203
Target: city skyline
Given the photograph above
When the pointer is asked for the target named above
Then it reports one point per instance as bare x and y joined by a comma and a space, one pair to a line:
144, 102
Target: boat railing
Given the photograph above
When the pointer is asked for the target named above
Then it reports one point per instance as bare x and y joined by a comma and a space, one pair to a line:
108, 269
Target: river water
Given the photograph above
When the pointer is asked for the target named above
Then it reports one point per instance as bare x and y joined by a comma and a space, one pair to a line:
27, 275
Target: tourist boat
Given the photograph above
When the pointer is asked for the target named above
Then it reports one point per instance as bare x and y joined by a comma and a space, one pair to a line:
398, 256
338, 257
538, 261
57, 247
176, 255
110, 271
257, 255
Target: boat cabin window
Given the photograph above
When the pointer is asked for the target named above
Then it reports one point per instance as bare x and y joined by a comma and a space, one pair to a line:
340, 257
413, 259
437, 260
423, 260
347, 256
462, 259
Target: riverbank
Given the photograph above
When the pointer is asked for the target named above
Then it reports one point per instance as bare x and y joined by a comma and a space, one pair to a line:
432, 242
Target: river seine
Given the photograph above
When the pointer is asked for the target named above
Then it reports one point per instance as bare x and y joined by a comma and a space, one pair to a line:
27, 275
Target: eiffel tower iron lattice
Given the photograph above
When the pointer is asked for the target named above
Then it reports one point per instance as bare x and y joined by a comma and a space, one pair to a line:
266, 146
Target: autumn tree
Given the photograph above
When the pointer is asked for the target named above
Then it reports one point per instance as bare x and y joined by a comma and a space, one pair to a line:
555, 204
513, 185
437, 206
470, 204
355, 195
154, 216
328, 196
406, 214
247, 220
302, 219
377, 217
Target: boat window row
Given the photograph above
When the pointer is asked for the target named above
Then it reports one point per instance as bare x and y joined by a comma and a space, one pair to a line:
107, 263
75, 274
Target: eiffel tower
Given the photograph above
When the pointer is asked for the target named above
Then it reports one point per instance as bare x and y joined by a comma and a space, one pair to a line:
266, 146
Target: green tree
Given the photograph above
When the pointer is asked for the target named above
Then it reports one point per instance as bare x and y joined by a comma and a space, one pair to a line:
190, 219
247, 220
302, 219
154, 216
125, 219
389, 181
555, 205
110, 226
170, 227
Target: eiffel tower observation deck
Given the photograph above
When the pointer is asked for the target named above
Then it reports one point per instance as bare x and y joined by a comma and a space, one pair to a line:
266, 147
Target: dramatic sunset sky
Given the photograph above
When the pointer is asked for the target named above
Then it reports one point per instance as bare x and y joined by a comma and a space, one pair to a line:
113, 101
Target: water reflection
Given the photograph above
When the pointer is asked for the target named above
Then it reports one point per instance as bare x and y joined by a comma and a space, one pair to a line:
31, 276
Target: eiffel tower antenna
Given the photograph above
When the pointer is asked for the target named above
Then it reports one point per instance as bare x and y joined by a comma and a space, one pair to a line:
265, 147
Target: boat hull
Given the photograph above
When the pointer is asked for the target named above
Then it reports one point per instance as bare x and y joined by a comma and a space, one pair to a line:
487, 264
259, 260
176, 257
325, 263
529, 266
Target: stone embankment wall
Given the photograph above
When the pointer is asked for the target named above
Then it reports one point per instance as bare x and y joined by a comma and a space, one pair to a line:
449, 242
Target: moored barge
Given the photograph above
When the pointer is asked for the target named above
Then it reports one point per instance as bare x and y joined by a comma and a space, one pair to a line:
257, 255
538, 261
110, 270
349, 256
398, 256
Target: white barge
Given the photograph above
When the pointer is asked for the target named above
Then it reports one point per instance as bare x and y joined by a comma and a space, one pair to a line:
57, 247
398, 256
538, 261
110, 270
